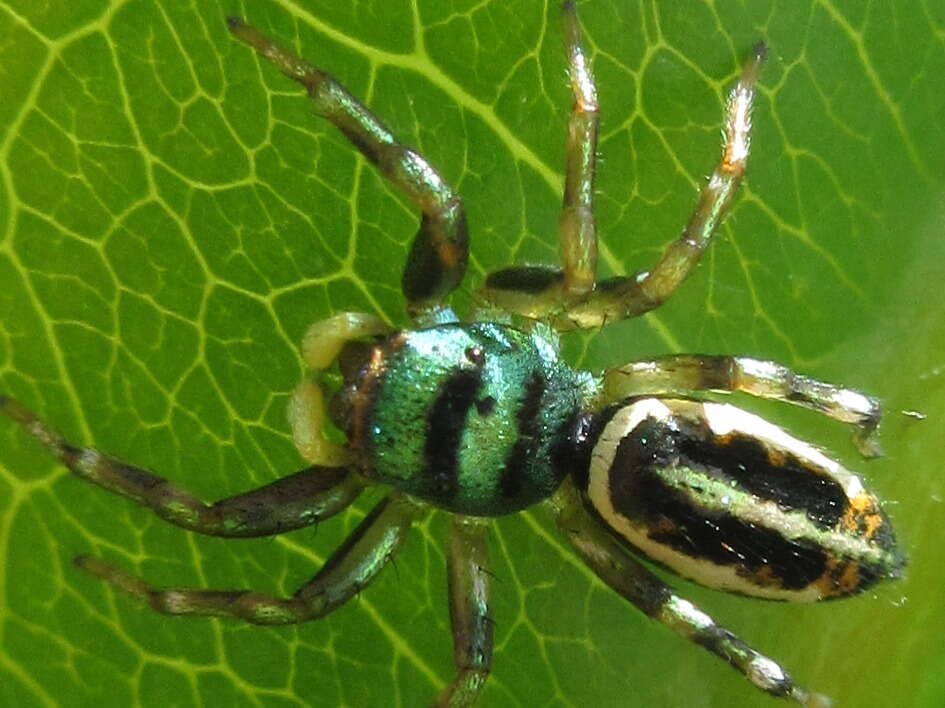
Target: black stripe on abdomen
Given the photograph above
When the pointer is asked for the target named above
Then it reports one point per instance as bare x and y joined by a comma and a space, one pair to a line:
673, 516
790, 483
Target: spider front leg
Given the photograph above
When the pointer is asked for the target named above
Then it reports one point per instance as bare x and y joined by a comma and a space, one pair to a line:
469, 611
299, 500
611, 563
577, 232
536, 291
630, 297
563, 296
351, 569
683, 374
437, 259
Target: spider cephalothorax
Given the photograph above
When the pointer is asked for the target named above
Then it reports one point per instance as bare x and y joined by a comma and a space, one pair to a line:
483, 418
474, 418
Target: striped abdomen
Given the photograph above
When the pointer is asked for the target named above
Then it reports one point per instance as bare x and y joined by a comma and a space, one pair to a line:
473, 418
733, 502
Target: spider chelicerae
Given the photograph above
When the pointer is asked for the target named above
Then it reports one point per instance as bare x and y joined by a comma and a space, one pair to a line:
483, 419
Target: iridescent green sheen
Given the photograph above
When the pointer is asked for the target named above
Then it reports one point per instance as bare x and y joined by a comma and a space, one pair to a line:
468, 416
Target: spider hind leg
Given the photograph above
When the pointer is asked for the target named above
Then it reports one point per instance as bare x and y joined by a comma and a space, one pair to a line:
352, 568
597, 547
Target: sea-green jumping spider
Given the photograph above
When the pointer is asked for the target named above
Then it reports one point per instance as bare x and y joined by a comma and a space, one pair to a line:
482, 419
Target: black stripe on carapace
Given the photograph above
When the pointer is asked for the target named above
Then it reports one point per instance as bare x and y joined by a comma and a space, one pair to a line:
445, 425
528, 431
638, 493
525, 279
486, 406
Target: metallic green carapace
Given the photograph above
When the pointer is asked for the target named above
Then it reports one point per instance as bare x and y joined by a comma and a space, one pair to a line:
474, 418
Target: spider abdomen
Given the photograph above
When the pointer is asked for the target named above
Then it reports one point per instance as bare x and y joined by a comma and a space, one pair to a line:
473, 417
733, 502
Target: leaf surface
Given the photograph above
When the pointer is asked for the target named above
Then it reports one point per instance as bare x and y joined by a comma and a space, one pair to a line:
172, 217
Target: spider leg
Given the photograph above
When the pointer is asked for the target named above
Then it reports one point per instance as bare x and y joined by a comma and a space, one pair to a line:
350, 569
534, 291
301, 499
681, 374
467, 564
321, 345
576, 228
612, 564
438, 256
630, 297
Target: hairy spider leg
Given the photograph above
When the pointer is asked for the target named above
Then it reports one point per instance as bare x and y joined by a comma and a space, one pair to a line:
682, 374
537, 291
467, 569
533, 291
349, 570
625, 575
301, 499
576, 227
321, 345
439, 253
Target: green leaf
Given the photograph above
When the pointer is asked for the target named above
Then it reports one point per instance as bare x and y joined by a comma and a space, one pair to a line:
172, 217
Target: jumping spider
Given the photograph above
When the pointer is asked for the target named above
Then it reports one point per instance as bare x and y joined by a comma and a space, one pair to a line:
482, 419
